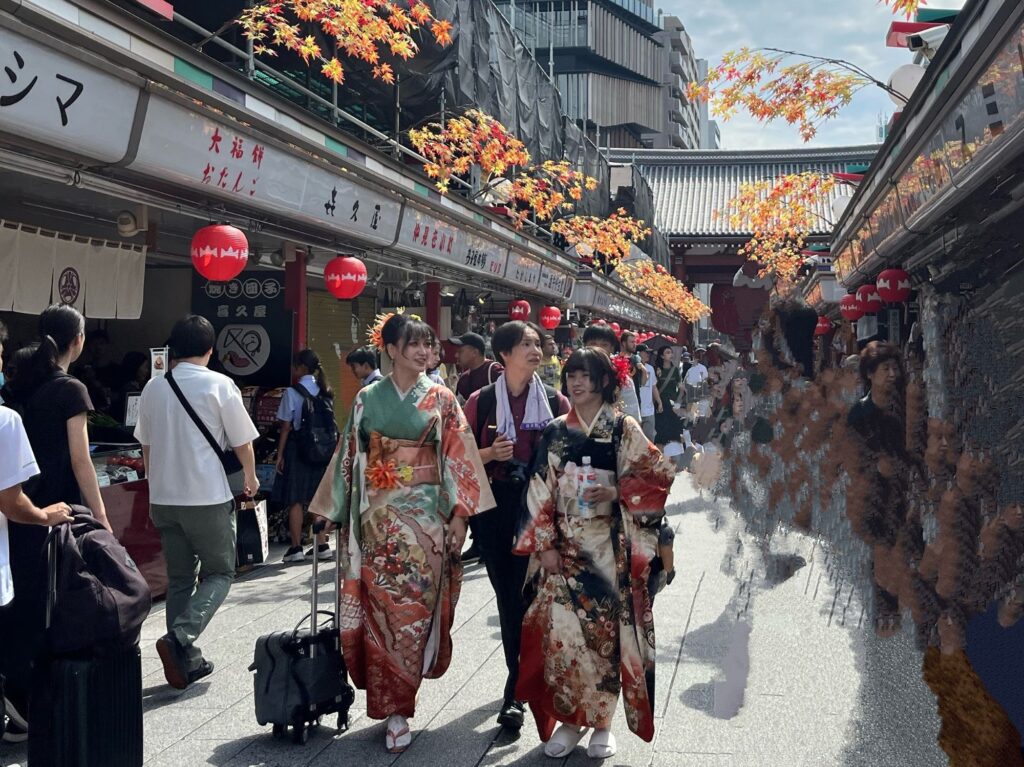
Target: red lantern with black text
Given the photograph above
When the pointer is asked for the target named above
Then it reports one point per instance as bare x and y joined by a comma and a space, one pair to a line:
869, 300
550, 316
519, 310
345, 276
824, 326
850, 308
893, 286
220, 252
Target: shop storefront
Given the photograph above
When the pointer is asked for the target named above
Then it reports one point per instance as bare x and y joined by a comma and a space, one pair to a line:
119, 161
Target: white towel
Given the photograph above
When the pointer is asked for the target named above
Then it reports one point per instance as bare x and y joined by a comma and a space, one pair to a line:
538, 411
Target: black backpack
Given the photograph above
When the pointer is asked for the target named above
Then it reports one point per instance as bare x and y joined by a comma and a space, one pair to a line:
96, 597
318, 433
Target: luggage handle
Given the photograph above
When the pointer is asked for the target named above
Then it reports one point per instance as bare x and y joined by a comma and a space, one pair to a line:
298, 625
318, 527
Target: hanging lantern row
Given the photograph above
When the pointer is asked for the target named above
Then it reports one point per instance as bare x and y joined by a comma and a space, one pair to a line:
220, 252
892, 287
345, 276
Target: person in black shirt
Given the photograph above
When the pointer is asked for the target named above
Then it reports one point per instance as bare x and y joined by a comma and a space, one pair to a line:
54, 407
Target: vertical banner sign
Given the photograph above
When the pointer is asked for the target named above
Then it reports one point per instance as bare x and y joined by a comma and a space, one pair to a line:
252, 323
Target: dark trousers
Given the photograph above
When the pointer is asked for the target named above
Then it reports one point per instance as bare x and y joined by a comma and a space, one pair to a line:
494, 533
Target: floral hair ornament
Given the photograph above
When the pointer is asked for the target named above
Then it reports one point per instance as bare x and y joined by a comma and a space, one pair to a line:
623, 370
376, 333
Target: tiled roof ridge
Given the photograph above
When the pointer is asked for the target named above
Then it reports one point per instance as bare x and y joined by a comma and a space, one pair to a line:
741, 156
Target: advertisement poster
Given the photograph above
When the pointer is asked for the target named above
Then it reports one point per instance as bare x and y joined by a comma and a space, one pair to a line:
158, 361
253, 327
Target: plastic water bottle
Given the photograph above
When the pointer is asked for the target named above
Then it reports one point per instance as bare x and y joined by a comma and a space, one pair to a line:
587, 478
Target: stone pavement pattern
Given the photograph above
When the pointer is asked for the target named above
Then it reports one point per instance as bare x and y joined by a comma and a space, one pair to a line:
817, 689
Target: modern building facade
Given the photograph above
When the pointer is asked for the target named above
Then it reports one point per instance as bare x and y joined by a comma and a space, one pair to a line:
620, 73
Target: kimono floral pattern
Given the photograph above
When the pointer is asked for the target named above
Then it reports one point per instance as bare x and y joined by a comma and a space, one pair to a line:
401, 584
589, 634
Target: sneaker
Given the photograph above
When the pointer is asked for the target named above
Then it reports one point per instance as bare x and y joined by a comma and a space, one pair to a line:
294, 554
324, 552
470, 555
172, 655
204, 669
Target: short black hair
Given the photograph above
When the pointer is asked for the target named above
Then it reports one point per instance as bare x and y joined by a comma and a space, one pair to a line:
191, 336
596, 364
364, 355
510, 335
600, 333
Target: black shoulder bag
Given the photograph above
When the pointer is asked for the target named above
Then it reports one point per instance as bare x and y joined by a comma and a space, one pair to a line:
228, 460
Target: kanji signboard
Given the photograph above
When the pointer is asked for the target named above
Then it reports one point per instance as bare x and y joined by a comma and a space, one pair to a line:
229, 161
53, 99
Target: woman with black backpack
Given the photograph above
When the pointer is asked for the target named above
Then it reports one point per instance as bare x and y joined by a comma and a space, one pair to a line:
308, 438
54, 407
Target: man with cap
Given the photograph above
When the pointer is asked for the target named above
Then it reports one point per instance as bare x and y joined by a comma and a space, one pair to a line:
478, 371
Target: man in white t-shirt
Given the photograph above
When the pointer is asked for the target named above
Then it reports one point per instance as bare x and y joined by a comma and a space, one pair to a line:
650, 397
191, 503
697, 375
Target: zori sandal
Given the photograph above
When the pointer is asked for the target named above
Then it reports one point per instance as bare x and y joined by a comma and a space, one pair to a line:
565, 739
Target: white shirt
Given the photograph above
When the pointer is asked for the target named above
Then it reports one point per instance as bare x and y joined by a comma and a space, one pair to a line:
647, 394
183, 469
696, 375
17, 465
630, 403
290, 408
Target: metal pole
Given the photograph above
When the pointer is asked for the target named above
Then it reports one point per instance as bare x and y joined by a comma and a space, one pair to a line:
398, 113
250, 63
442, 105
551, 43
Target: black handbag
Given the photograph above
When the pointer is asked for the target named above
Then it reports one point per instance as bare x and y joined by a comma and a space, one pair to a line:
228, 459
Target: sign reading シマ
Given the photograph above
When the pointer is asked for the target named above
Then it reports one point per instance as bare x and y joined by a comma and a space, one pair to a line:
50, 98
253, 325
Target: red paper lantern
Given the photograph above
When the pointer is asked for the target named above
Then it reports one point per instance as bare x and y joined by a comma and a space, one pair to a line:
850, 308
868, 298
599, 322
220, 252
518, 310
345, 276
550, 316
893, 286
616, 329
824, 326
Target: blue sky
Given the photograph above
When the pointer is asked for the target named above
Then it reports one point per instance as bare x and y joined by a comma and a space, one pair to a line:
848, 29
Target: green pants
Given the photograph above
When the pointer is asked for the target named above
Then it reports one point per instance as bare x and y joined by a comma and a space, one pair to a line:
199, 546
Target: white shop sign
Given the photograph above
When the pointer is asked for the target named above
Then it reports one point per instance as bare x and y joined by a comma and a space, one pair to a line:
426, 235
180, 145
523, 271
486, 257
54, 99
555, 283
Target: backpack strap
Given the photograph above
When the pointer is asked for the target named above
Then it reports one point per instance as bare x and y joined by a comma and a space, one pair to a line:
486, 403
490, 372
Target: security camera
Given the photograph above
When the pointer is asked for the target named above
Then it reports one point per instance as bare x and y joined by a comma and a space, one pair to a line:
928, 40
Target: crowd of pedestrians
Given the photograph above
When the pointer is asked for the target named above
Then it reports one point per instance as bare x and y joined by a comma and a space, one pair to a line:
552, 464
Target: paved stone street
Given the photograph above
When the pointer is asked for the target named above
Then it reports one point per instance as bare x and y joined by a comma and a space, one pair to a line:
816, 689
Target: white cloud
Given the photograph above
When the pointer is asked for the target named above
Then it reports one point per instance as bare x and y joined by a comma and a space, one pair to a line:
850, 29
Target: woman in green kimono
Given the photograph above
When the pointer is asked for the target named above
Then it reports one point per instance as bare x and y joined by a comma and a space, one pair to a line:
589, 634
405, 478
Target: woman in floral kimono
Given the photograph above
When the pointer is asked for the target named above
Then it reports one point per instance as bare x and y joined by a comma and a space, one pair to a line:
406, 476
589, 632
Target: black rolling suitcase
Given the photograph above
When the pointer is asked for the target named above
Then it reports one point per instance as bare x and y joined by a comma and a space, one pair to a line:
86, 708
300, 674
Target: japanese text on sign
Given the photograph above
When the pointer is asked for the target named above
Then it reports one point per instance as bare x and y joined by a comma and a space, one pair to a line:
233, 167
